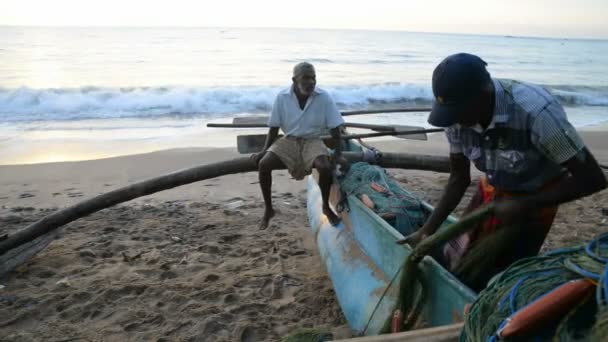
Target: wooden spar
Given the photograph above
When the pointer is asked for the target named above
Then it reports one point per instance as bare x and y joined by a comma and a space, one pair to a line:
263, 125
239, 125
48, 224
386, 129
372, 126
124, 194
390, 133
382, 111
254, 122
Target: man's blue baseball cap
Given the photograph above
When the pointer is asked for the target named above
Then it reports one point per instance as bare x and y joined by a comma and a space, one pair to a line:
456, 81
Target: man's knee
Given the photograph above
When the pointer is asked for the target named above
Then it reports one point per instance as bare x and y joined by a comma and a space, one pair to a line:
264, 164
268, 163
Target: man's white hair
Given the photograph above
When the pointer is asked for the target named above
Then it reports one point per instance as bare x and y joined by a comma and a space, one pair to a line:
301, 67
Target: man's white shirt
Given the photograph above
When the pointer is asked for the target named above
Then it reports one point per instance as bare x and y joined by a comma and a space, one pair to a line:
319, 115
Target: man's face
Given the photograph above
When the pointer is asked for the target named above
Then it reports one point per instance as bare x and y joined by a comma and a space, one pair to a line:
468, 117
472, 113
305, 82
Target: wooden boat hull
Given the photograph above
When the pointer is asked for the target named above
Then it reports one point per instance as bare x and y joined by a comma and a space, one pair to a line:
364, 264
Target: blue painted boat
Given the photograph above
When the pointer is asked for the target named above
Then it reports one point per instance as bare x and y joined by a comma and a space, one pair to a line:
364, 264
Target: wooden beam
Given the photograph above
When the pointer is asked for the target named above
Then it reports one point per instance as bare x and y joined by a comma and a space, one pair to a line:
18, 247
446, 333
390, 133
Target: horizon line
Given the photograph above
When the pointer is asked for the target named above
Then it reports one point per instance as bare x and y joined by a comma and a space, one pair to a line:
599, 38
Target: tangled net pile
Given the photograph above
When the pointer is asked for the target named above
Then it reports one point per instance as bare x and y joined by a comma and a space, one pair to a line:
399, 207
529, 279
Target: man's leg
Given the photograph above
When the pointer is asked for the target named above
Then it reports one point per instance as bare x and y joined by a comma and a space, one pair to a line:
323, 165
269, 162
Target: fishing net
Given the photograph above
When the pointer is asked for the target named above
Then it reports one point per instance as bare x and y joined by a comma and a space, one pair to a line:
397, 206
527, 280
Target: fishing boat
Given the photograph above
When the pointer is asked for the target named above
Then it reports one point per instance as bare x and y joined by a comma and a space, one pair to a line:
365, 264
360, 254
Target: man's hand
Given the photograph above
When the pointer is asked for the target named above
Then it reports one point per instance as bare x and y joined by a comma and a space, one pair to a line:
256, 157
414, 238
507, 211
343, 163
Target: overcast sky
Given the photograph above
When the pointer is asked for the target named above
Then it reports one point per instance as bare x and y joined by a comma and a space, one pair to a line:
555, 18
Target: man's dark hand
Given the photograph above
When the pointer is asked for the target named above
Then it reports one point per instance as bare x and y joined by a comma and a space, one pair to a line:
343, 163
256, 157
413, 239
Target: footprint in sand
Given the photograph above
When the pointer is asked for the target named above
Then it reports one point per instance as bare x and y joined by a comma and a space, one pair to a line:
231, 298
250, 334
75, 194
230, 238
20, 209
168, 275
26, 195
212, 278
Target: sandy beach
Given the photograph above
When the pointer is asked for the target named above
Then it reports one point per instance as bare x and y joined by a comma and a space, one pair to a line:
190, 263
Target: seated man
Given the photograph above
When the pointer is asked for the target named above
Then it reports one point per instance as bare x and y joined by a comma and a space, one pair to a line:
518, 135
304, 113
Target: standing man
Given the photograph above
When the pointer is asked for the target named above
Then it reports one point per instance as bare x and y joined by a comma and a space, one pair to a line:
518, 135
304, 113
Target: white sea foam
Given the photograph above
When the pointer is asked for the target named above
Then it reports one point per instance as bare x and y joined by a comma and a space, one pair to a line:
26, 104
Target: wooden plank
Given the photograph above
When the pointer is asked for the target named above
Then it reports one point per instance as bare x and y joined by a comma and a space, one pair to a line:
250, 120
446, 333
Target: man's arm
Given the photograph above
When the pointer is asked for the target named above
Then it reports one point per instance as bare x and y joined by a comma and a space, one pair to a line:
336, 134
586, 177
459, 181
274, 122
460, 178
273, 133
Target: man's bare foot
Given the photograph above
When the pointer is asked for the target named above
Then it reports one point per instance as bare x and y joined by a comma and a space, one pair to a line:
268, 214
333, 218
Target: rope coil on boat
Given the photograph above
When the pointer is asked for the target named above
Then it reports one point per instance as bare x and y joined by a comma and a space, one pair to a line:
546, 297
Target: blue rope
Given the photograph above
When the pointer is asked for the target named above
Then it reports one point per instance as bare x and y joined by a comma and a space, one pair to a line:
577, 269
602, 288
589, 261
595, 243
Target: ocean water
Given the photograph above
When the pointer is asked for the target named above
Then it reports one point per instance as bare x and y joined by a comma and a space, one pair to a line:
154, 88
